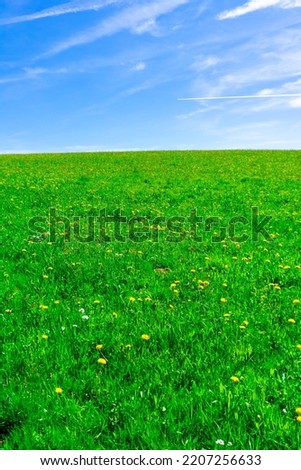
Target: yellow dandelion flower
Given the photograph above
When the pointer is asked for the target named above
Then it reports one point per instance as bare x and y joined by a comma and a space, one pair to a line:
242, 327
298, 410
296, 301
128, 346
226, 315
298, 346
276, 287
115, 315
147, 299
145, 337
173, 285
234, 379
44, 337
176, 291
177, 282
291, 320
245, 322
8, 310
206, 283
101, 360
132, 299
193, 270
96, 302
298, 419
44, 307
223, 300
225, 284
58, 390
45, 276
99, 347
56, 302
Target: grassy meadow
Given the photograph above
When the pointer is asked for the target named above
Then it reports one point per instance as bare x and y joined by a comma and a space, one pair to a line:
151, 343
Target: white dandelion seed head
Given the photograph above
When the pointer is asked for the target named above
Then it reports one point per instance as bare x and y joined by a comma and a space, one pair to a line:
85, 317
81, 310
220, 442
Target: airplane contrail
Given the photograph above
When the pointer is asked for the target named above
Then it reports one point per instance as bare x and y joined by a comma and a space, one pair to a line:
241, 97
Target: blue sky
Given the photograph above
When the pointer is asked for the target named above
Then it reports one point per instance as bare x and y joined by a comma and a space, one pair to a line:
87, 75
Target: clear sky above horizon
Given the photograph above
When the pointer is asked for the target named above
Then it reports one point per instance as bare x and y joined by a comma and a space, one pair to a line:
88, 75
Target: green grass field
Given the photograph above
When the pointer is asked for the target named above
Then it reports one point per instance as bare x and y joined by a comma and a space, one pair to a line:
151, 344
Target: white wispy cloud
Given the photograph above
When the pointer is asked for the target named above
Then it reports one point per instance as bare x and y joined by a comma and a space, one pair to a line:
291, 89
254, 5
32, 73
139, 67
285, 96
74, 6
296, 103
146, 85
147, 26
258, 63
134, 18
202, 110
243, 97
204, 63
